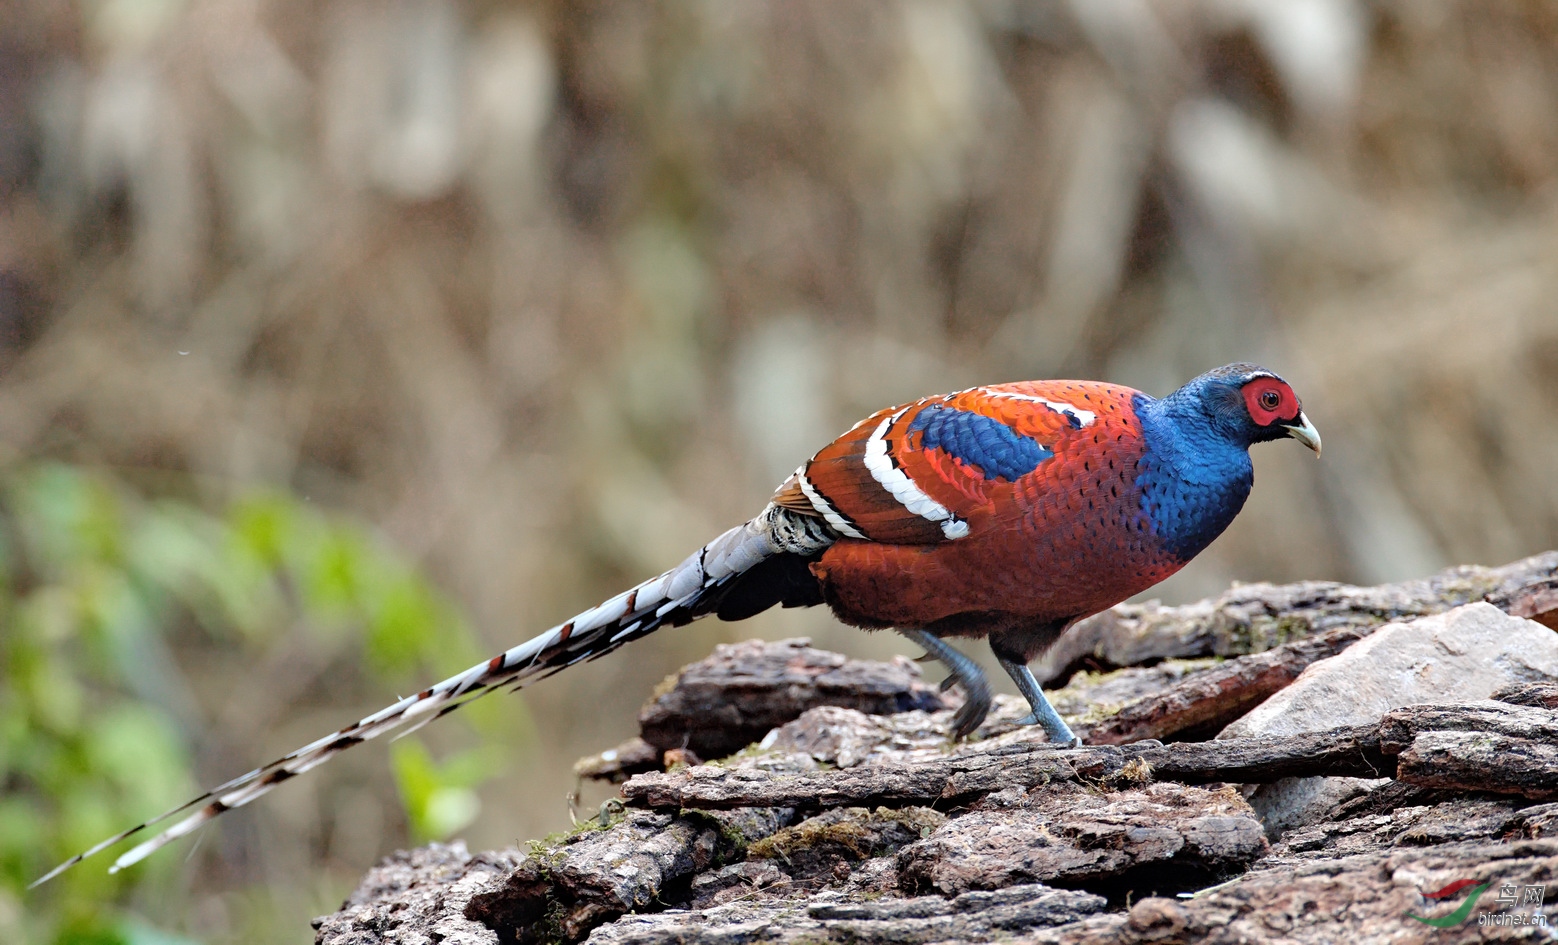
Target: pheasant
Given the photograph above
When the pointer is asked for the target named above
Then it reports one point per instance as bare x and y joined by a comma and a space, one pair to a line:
1008, 512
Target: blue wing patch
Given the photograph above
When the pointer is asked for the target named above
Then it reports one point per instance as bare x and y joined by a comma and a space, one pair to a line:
990, 446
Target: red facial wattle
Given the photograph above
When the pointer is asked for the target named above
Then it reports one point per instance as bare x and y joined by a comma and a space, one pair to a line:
1263, 407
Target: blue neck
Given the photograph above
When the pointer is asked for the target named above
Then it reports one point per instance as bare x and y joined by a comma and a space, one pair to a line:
1196, 473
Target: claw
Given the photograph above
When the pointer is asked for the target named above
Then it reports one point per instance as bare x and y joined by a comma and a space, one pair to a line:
969, 718
975, 707
965, 673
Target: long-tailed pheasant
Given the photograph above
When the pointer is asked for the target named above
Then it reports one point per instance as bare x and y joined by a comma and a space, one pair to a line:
1008, 512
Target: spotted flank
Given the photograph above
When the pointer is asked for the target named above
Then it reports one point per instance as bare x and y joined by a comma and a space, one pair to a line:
688, 591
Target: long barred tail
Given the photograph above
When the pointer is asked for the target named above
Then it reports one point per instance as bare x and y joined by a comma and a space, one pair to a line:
743, 571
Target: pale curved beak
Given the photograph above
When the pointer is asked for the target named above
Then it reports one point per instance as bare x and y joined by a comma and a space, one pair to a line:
1304, 432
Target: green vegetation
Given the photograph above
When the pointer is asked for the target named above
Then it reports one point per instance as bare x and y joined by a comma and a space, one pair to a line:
115, 607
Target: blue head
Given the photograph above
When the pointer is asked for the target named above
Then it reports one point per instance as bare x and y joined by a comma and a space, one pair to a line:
1196, 467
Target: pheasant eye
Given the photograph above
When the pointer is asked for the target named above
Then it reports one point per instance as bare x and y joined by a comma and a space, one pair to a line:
1270, 399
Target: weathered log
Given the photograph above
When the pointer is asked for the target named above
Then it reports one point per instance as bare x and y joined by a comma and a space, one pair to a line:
721, 704
1479, 746
1540, 821
1539, 695
856, 919
1455, 819
418, 896
1479, 761
715, 788
616, 765
1400, 728
1535, 598
1163, 838
827, 847
1363, 898
562, 892
1252, 618
713, 860
1353, 752
1091, 697
955, 779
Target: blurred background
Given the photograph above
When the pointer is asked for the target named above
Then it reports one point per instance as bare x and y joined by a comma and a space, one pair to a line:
342, 344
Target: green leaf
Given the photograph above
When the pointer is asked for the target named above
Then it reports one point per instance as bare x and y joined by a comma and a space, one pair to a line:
68, 518
100, 587
138, 748
449, 809
135, 932
439, 798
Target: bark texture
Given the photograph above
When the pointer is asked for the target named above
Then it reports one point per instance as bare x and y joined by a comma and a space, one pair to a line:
853, 818
1251, 618
722, 704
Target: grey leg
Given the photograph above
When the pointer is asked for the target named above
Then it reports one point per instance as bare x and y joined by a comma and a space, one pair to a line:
1043, 714
967, 674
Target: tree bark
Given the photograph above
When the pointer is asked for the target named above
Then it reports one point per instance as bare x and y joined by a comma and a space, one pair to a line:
846, 826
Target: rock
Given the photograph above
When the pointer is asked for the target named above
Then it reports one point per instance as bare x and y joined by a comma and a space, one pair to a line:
1160, 838
1463, 654
1458, 656
721, 704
